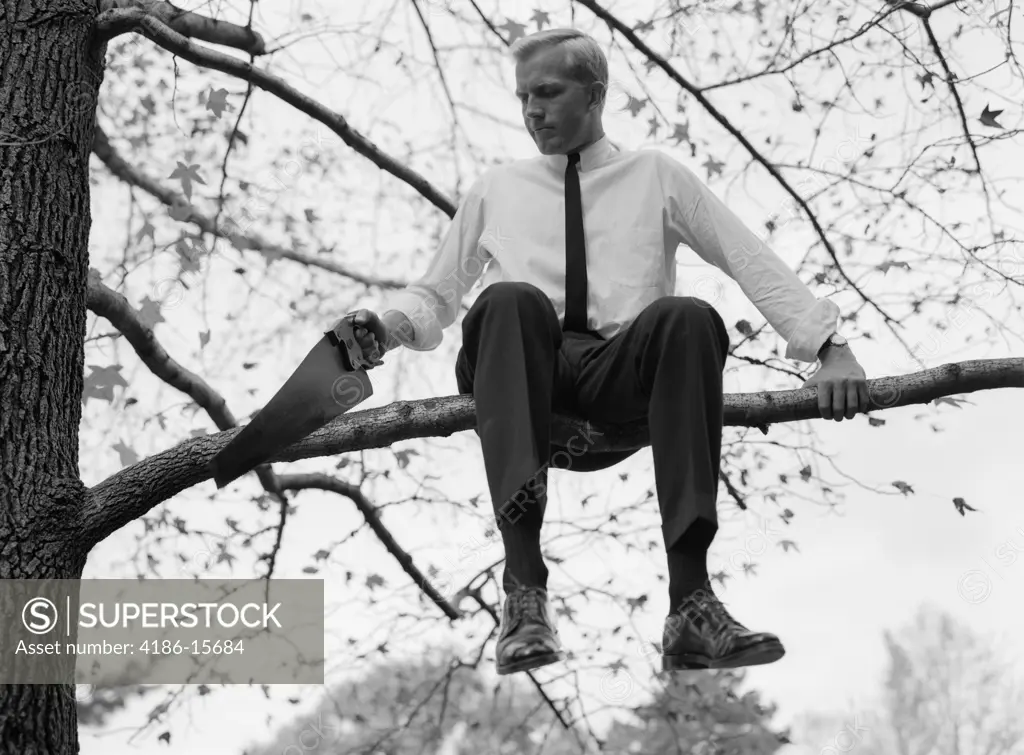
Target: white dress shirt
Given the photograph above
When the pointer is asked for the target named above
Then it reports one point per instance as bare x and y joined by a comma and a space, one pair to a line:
638, 208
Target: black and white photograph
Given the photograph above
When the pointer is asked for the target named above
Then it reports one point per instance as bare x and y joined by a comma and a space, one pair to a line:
487, 377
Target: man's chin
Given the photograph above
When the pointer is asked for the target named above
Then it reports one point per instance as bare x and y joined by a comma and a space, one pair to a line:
547, 144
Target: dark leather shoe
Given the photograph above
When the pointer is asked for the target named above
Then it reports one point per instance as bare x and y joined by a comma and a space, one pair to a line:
528, 638
703, 635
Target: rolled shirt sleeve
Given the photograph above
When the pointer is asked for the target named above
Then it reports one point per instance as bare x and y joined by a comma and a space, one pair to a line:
718, 236
432, 301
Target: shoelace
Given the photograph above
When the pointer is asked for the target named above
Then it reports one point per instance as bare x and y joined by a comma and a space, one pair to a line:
530, 602
716, 613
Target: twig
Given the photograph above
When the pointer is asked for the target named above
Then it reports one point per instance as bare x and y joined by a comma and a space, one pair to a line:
134, 176
118, 21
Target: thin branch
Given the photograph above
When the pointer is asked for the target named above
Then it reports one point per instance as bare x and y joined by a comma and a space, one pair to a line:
865, 28
919, 9
696, 93
282, 520
456, 123
924, 12
540, 687
488, 23
132, 492
369, 512
186, 23
394, 731
107, 303
732, 490
134, 176
119, 21
951, 82
437, 62
233, 139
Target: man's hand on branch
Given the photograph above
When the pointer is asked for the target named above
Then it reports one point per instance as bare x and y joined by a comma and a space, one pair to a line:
842, 385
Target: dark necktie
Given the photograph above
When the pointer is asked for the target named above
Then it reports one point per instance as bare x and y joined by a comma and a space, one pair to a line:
575, 251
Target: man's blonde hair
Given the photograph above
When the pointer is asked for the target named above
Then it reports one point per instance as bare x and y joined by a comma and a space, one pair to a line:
586, 60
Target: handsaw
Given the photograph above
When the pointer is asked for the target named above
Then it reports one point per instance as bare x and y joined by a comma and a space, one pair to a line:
329, 381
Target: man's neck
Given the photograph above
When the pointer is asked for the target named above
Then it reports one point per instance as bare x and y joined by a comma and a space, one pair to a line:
593, 139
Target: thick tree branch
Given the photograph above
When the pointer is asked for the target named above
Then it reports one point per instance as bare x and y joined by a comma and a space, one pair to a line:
135, 20
134, 176
107, 303
184, 22
130, 493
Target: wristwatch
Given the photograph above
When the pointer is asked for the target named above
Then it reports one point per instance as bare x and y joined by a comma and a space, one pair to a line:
833, 340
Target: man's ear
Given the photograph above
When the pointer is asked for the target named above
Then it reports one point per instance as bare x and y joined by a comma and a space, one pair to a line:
598, 92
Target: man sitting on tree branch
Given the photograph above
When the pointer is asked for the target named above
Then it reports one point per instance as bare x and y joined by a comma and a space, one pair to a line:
577, 315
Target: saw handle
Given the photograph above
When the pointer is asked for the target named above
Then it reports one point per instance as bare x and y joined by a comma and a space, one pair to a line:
343, 337
376, 327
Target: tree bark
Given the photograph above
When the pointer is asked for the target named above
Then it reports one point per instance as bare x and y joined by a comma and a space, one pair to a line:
129, 494
50, 73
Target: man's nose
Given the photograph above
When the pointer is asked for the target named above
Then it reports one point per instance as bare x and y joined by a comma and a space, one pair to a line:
533, 110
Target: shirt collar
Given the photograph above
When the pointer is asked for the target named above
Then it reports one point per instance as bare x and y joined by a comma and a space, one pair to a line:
592, 156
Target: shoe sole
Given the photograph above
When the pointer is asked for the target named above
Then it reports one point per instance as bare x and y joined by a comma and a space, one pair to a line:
758, 655
530, 663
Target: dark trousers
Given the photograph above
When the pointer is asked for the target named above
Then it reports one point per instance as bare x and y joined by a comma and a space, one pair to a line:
521, 369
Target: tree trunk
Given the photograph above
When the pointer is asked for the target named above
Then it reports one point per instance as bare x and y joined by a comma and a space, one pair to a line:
49, 82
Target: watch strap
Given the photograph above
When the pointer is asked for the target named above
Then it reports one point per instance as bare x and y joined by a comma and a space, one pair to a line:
825, 346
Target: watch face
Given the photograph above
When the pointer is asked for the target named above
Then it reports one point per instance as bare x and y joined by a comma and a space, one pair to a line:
838, 340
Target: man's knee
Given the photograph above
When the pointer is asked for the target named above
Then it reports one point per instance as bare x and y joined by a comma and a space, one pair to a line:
689, 316
504, 292
688, 308
512, 295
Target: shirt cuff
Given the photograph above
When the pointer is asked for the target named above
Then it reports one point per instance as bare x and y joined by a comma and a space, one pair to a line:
812, 331
427, 331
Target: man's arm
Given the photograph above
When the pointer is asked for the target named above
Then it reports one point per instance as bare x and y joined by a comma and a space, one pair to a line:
417, 315
715, 233
719, 237
400, 329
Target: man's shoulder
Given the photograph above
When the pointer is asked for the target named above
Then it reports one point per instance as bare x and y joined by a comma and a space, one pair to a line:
668, 169
653, 156
513, 175
484, 181
495, 173
650, 160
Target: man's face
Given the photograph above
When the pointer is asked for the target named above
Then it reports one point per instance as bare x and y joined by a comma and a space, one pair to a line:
556, 109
